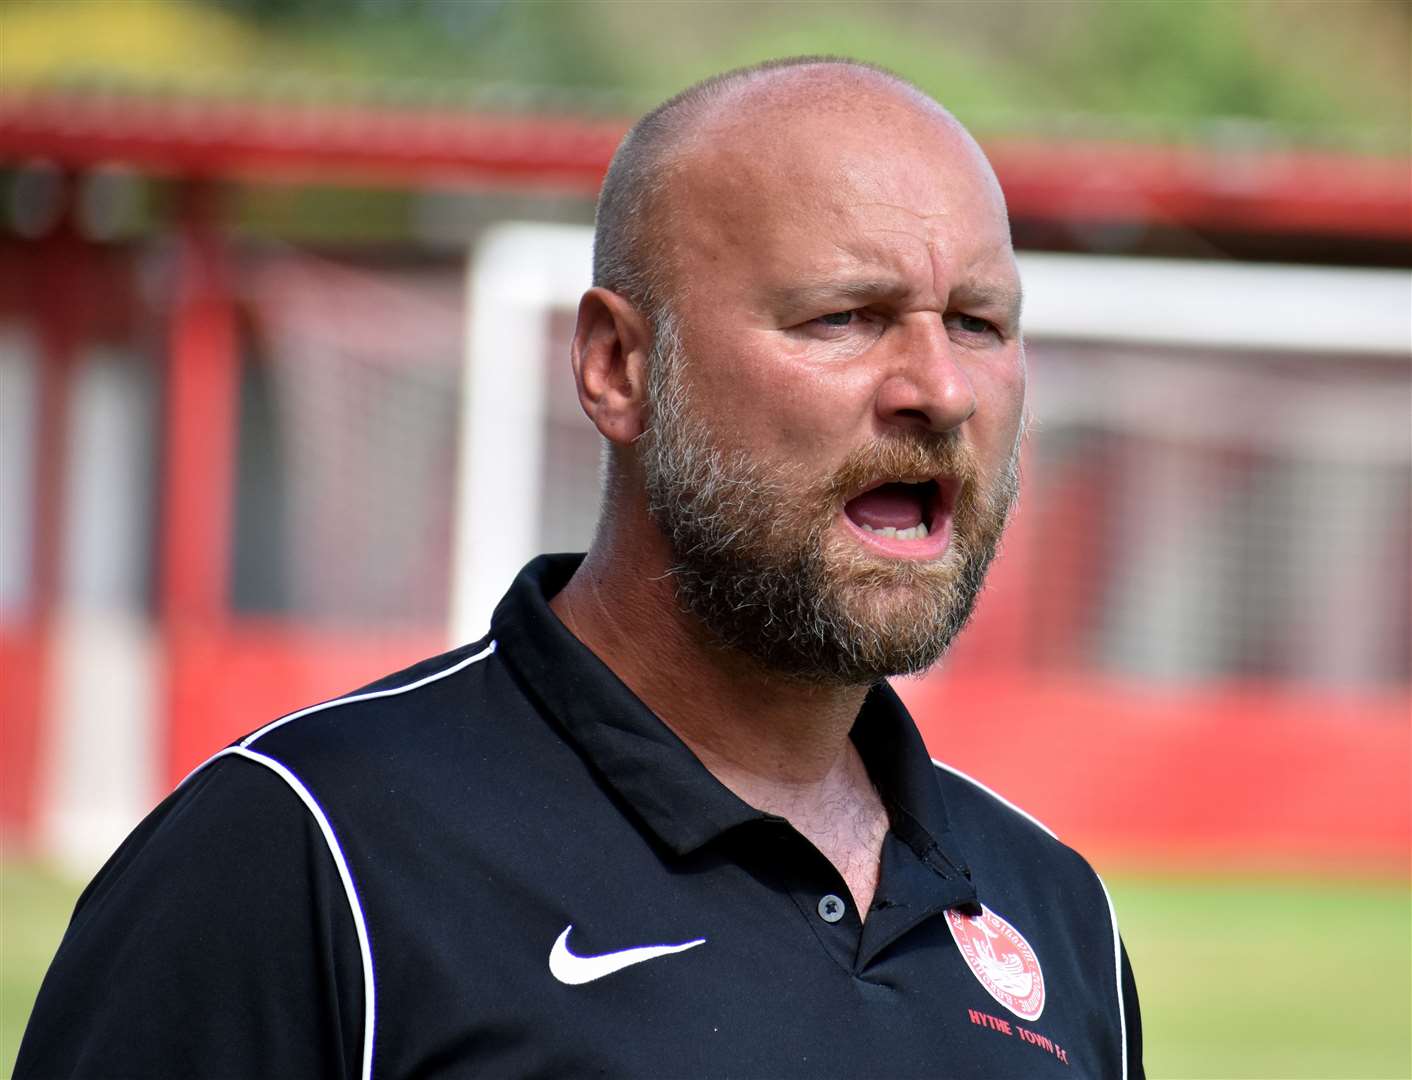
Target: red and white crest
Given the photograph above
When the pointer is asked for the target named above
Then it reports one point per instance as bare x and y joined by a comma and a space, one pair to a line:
1001, 959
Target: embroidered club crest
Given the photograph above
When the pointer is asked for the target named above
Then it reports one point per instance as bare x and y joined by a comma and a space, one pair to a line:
1001, 958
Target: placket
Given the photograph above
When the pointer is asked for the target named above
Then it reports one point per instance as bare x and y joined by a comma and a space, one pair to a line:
911, 889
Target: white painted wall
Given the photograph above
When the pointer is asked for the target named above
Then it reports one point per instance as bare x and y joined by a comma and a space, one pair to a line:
100, 758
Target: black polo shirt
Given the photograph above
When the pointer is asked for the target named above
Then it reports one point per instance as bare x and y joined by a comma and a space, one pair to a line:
500, 863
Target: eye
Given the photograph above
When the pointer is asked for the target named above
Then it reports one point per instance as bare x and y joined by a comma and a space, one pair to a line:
853, 328
971, 324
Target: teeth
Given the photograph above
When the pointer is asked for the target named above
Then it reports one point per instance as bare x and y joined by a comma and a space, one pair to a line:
916, 532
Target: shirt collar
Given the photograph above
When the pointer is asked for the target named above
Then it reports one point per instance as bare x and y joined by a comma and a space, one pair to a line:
655, 772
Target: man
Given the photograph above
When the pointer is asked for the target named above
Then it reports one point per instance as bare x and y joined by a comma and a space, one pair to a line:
667, 820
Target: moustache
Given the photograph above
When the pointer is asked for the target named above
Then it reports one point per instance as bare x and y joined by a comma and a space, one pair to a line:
906, 457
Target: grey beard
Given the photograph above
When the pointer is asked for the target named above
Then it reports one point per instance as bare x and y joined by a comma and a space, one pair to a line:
752, 554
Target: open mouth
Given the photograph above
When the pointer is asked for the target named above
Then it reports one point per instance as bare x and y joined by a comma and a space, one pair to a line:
901, 511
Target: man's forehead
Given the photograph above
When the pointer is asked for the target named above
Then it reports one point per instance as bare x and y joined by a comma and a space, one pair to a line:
817, 90
825, 101
806, 147
848, 202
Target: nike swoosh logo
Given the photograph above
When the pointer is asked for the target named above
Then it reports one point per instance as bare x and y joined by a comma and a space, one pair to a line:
573, 970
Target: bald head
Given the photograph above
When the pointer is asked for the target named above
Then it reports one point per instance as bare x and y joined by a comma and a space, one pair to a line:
734, 114
798, 266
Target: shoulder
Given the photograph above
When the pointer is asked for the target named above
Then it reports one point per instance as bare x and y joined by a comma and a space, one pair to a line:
1013, 854
234, 836
983, 814
454, 739
246, 883
379, 709
223, 893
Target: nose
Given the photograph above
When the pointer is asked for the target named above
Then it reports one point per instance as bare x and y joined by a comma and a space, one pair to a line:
923, 386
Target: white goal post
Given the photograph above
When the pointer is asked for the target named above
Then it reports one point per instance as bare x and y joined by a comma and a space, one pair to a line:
521, 274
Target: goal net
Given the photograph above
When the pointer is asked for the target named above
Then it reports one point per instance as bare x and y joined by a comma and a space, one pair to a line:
1218, 485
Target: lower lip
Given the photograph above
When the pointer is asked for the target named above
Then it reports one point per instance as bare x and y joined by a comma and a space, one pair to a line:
931, 546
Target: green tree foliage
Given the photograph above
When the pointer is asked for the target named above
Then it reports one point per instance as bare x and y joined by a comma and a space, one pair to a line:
1330, 71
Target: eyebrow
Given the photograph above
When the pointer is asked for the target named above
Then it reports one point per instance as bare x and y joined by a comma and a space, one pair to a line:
990, 296
994, 297
830, 290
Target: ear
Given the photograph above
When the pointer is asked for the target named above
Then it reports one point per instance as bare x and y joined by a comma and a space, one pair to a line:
610, 348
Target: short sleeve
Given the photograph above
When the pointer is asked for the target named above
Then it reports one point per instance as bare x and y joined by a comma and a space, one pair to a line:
217, 942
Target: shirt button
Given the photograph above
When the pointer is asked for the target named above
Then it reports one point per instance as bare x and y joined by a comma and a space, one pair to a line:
831, 908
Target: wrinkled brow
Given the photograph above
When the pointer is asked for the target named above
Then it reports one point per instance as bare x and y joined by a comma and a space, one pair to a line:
1000, 298
829, 291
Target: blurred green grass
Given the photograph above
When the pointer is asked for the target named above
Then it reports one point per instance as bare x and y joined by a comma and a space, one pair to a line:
35, 904
1240, 977
1271, 977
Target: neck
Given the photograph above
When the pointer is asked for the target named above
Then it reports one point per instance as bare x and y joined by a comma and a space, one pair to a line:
770, 739
779, 744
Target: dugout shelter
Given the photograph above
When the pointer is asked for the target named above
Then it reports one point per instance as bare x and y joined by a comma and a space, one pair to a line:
285, 399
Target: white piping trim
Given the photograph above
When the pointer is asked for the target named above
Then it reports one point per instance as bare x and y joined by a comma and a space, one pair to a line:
242, 749
996, 796
372, 695
354, 904
349, 700
1118, 969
